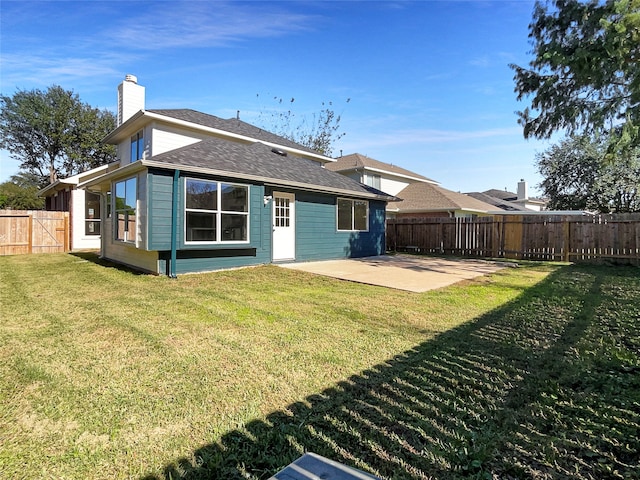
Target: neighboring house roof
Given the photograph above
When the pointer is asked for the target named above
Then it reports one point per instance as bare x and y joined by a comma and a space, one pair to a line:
356, 161
253, 162
510, 196
501, 194
426, 197
497, 202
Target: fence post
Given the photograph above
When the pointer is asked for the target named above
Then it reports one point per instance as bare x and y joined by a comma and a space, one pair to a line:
566, 233
67, 235
30, 246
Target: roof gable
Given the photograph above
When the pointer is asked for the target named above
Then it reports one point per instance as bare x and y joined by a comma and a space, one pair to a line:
355, 161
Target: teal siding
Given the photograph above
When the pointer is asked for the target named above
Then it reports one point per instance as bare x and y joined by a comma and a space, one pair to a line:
317, 237
199, 258
160, 199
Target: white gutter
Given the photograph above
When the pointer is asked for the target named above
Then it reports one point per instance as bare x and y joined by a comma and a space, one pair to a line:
141, 164
542, 212
448, 210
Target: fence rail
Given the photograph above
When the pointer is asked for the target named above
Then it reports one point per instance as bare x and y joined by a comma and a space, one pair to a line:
533, 237
33, 231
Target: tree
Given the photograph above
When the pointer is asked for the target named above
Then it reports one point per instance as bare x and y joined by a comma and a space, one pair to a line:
585, 75
52, 133
21, 193
318, 133
575, 178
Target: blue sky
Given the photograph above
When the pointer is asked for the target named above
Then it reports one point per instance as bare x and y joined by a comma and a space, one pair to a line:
428, 82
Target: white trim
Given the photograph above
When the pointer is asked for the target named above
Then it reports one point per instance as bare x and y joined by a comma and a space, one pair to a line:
353, 220
218, 213
291, 247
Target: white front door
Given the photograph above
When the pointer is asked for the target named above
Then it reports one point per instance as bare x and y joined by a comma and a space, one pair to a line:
284, 228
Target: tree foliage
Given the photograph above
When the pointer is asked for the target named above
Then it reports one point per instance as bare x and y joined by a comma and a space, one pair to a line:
53, 134
319, 132
575, 178
585, 74
21, 193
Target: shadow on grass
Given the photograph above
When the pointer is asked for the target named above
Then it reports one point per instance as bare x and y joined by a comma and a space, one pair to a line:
544, 387
94, 257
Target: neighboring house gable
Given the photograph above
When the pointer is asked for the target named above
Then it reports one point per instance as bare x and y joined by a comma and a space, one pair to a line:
429, 200
385, 176
203, 193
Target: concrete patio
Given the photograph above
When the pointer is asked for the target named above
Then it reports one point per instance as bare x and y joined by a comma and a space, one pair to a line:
403, 272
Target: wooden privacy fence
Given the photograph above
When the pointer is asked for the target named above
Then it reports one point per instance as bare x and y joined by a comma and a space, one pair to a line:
33, 231
533, 237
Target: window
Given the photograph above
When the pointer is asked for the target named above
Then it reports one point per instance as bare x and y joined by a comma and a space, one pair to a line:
125, 210
353, 215
372, 180
137, 146
283, 212
92, 214
216, 212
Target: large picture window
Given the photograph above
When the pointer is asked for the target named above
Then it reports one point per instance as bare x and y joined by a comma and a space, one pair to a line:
353, 215
125, 209
216, 212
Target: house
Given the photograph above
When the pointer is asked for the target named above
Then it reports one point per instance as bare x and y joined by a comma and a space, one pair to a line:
421, 196
510, 201
384, 176
84, 208
421, 200
192, 192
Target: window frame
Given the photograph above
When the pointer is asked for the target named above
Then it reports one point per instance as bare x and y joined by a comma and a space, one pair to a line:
218, 213
373, 180
137, 140
92, 218
353, 202
126, 209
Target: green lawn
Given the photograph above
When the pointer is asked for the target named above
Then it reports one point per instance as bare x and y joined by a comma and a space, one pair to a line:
533, 372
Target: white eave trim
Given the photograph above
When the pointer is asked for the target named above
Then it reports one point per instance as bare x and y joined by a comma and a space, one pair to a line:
400, 175
120, 172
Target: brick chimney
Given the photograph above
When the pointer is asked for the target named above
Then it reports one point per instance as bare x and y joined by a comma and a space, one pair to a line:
130, 98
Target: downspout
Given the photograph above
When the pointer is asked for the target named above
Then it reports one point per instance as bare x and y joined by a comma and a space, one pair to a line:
174, 225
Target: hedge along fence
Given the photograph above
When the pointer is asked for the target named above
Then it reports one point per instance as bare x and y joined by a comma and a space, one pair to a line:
33, 231
533, 237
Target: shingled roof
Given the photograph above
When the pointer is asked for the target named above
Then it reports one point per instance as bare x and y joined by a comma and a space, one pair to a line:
232, 125
496, 201
262, 163
426, 197
356, 160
